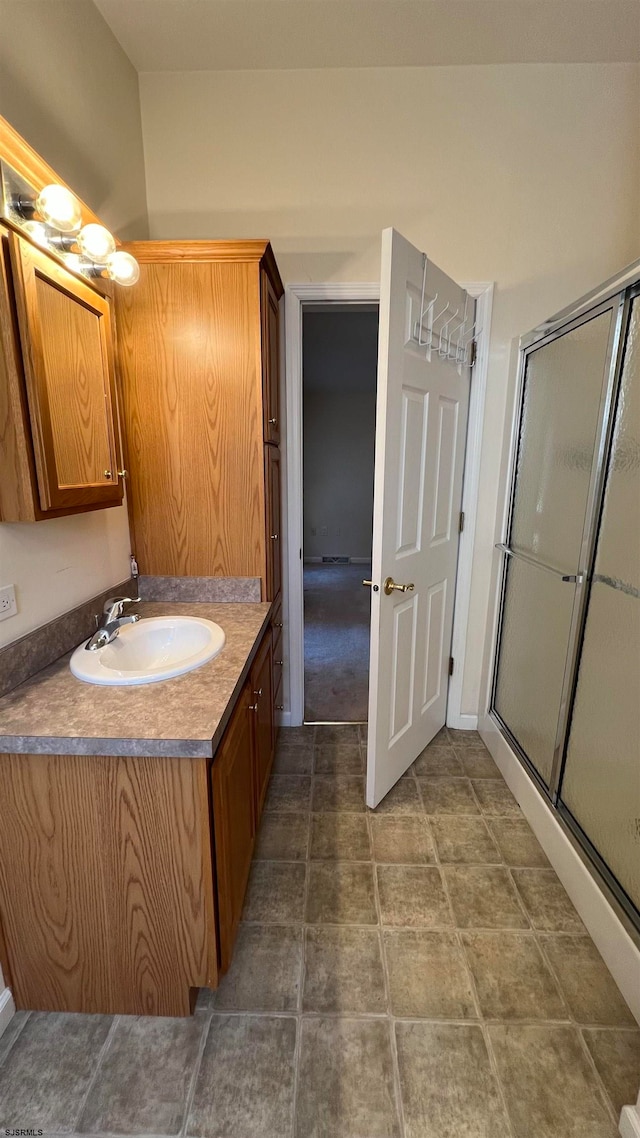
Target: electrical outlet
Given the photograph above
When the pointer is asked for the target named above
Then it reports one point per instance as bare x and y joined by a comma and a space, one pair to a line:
8, 605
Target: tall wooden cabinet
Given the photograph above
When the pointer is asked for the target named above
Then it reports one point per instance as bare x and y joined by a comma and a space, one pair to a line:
198, 357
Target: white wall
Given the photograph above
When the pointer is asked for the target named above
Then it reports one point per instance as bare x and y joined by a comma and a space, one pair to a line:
69, 89
528, 175
339, 414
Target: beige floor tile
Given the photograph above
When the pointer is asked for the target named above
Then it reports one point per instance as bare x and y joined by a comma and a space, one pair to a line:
438, 761
484, 898
289, 793
275, 894
341, 893
265, 970
340, 837
145, 1077
257, 1054
495, 798
403, 798
338, 792
428, 975
512, 978
412, 896
339, 758
586, 981
546, 901
447, 1085
464, 840
517, 842
343, 971
345, 1085
293, 760
478, 763
448, 796
464, 738
548, 1083
337, 733
616, 1054
48, 1069
404, 840
282, 837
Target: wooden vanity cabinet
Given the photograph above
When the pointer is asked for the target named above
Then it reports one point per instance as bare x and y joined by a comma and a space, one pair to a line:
263, 720
58, 409
198, 359
234, 819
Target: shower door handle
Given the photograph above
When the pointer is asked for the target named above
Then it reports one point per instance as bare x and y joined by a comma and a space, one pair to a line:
568, 578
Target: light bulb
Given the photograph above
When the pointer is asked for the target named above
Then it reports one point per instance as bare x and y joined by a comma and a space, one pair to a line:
73, 261
123, 268
59, 208
37, 231
96, 243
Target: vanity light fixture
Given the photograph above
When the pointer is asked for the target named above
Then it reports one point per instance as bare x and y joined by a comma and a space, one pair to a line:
96, 243
52, 219
123, 268
59, 208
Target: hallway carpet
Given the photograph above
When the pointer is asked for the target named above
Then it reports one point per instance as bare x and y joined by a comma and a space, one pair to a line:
336, 643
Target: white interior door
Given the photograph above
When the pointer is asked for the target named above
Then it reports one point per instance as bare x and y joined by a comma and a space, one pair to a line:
426, 323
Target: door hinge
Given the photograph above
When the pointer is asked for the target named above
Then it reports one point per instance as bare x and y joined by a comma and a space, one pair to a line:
451, 665
461, 521
473, 353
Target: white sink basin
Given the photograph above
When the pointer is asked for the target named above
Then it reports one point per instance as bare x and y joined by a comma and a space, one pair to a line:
156, 648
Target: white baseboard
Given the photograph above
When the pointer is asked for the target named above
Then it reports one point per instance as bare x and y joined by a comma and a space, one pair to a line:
284, 719
611, 938
463, 722
629, 1125
7, 1009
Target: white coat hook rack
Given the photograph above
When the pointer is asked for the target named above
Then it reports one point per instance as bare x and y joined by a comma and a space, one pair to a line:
445, 336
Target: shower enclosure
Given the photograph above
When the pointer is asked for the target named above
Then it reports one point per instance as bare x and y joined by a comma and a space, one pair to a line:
566, 683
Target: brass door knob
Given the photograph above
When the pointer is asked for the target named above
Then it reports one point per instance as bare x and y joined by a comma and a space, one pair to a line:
390, 585
371, 585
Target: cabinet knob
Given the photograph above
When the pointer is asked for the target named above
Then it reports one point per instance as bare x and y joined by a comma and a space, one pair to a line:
123, 474
277, 624
279, 707
273, 422
274, 536
279, 663
108, 474
258, 693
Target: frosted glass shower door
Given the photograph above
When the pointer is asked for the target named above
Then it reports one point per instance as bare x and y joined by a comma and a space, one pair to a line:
560, 427
601, 780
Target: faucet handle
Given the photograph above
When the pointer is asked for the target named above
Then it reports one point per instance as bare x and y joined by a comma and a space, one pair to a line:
114, 606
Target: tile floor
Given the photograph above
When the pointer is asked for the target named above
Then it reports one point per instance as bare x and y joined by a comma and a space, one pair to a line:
413, 972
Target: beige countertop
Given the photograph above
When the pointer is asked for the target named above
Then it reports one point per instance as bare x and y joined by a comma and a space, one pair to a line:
54, 713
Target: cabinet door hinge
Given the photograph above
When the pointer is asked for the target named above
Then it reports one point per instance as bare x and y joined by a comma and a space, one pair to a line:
461, 521
451, 665
473, 353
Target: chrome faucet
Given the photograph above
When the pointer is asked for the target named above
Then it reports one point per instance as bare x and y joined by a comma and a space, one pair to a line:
112, 621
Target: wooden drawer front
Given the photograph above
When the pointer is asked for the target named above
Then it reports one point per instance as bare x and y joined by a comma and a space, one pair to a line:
263, 734
232, 777
270, 361
278, 660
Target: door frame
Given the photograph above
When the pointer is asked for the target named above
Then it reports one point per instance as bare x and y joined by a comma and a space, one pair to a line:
366, 292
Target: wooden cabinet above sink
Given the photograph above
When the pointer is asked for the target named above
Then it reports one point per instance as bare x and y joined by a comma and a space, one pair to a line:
58, 422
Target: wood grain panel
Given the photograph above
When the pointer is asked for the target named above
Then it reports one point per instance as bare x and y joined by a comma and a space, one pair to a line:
74, 369
232, 781
171, 252
105, 898
273, 523
262, 720
17, 472
190, 365
65, 333
270, 361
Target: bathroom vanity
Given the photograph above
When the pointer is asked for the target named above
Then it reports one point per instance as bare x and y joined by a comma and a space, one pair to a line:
129, 823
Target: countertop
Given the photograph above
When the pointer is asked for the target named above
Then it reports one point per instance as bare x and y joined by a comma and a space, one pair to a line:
54, 713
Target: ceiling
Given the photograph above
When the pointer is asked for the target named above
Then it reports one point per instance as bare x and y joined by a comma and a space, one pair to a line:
229, 35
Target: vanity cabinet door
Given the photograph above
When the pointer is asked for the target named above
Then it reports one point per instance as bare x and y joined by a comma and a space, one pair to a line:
262, 705
232, 779
274, 543
67, 351
270, 360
